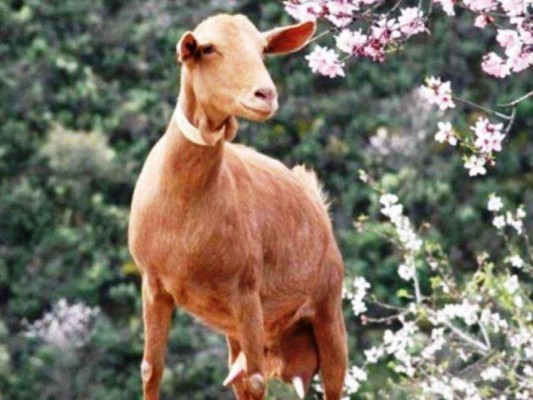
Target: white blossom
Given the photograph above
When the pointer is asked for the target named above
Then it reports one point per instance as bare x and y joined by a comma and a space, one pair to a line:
467, 311
516, 261
436, 343
439, 387
499, 222
353, 379
491, 374
468, 388
374, 354
357, 295
511, 284
398, 343
495, 203
393, 210
407, 271
515, 221
65, 326
494, 320
518, 301
388, 200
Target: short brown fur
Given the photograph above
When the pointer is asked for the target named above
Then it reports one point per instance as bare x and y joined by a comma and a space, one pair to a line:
231, 235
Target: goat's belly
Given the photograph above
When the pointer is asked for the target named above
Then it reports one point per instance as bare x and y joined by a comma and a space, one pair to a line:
215, 314
281, 315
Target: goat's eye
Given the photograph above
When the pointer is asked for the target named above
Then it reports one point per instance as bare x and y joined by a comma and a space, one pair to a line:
208, 49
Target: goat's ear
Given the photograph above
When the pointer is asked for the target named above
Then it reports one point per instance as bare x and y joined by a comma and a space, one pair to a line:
186, 47
289, 38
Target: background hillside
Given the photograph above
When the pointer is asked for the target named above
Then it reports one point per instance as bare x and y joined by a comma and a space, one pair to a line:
87, 87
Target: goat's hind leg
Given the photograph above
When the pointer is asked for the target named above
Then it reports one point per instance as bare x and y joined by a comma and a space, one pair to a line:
330, 332
330, 335
157, 313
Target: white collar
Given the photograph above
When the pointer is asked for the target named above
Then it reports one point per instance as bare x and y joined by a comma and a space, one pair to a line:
191, 132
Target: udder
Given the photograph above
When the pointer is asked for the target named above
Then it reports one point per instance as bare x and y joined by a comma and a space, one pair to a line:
294, 356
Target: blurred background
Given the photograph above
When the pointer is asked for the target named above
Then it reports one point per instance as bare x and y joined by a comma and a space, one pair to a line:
87, 87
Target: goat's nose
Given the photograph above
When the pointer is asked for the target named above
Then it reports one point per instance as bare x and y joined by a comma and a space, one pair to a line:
266, 94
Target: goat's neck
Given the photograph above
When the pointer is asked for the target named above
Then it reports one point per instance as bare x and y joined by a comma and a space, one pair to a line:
189, 167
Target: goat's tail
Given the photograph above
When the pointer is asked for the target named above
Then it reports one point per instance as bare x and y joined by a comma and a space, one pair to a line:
309, 178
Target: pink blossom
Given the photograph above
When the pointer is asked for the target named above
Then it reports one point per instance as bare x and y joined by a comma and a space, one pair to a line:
385, 30
483, 20
480, 5
382, 33
437, 93
475, 166
510, 40
447, 6
488, 136
524, 28
304, 11
494, 65
375, 50
513, 7
445, 134
521, 61
340, 12
351, 42
325, 62
411, 22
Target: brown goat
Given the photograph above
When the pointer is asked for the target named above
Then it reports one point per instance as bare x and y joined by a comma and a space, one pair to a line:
233, 236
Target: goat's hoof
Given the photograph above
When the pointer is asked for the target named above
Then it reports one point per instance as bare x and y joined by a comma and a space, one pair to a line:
146, 371
257, 384
237, 369
298, 384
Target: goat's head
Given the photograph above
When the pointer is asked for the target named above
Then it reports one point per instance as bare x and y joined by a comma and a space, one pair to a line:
223, 61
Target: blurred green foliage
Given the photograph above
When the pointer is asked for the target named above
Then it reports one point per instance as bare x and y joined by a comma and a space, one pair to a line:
86, 88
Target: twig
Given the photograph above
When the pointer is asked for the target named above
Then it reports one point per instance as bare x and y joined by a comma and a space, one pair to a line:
467, 338
529, 248
487, 110
386, 320
386, 306
474, 366
511, 121
416, 283
320, 35
515, 102
418, 295
394, 7
485, 335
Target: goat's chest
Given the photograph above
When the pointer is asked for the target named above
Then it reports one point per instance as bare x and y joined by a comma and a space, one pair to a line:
196, 256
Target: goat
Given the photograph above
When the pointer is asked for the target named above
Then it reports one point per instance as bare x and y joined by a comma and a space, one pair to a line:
232, 236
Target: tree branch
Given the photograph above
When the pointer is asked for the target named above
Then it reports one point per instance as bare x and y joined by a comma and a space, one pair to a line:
519, 100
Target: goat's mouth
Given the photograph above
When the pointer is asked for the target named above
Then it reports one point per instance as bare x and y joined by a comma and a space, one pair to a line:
259, 111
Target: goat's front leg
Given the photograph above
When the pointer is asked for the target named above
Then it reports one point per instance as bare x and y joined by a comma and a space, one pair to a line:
252, 342
157, 313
